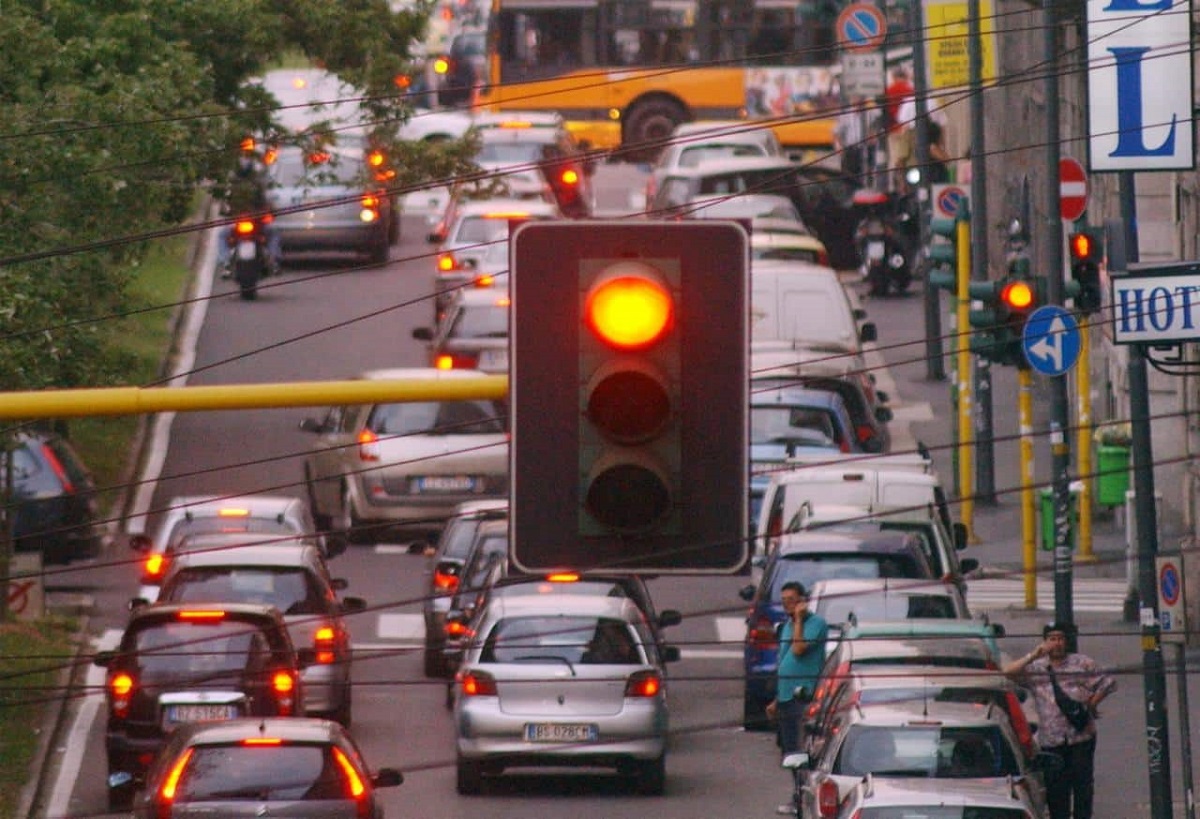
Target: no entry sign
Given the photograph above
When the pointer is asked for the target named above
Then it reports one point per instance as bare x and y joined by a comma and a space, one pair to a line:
1072, 189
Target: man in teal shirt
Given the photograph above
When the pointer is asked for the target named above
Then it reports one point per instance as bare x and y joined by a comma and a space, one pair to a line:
801, 656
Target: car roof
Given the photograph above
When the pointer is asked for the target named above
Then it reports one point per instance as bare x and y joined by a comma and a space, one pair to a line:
268, 555
920, 676
928, 713
821, 541
481, 507
733, 165
539, 135
505, 208
862, 647
202, 541
722, 129
761, 266
496, 296
406, 373
878, 585
565, 604
258, 505
919, 627
788, 395
293, 729
536, 119
775, 224
169, 611
886, 791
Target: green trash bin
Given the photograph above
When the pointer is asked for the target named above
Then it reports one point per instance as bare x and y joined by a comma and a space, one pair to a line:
1112, 474
1046, 507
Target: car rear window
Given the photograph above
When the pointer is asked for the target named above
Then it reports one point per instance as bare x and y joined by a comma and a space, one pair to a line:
291, 590
691, 157
438, 418
878, 606
482, 321
801, 426
944, 752
786, 254
185, 529
939, 812
509, 153
190, 649
809, 568
267, 772
292, 170
31, 476
586, 640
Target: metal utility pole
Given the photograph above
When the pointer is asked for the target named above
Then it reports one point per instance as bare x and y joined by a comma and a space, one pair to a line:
1154, 682
985, 445
1060, 408
935, 364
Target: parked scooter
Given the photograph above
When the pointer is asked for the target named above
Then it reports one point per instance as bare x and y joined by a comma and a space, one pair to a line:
884, 250
249, 259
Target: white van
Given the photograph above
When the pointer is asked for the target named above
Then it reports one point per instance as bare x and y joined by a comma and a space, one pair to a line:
804, 303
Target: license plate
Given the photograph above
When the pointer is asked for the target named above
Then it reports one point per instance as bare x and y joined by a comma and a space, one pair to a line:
176, 714
246, 251
446, 483
875, 251
557, 732
493, 360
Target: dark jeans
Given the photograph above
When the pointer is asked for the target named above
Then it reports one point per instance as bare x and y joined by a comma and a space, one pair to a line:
788, 718
1076, 780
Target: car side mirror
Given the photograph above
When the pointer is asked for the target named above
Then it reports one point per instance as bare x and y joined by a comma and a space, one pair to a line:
423, 333
339, 583
884, 414
670, 654
960, 536
140, 543
796, 762
868, 333
881, 396
435, 237
746, 593
136, 603
1022, 694
968, 564
387, 778
312, 425
306, 657
999, 630
104, 658
353, 605
669, 617
859, 314
333, 546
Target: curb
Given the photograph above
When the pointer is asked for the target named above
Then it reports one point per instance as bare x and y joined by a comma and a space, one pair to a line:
34, 793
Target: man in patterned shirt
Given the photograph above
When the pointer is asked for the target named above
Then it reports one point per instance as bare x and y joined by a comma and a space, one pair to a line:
1081, 680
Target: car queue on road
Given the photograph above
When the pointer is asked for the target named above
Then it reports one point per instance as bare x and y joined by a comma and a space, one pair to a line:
550, 671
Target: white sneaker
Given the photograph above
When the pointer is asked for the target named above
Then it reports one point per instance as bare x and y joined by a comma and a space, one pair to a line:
787, 809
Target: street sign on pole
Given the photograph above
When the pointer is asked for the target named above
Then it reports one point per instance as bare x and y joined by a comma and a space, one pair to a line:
1072, 189
861, 27
1051, 340
1171, 601
862, 74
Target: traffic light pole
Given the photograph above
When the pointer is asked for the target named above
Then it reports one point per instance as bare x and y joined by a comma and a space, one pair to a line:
1028, 527
1060, 408
962, 370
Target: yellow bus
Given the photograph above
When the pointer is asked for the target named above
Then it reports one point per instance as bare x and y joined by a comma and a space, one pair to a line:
624, 73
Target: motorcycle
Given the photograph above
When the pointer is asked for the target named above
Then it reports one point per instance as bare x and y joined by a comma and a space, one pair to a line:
884, 251
248, 261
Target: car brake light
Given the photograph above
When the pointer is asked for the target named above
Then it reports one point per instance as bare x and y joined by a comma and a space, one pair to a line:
269, 156
171, 783
455, 628
201, 614
354, 782
865, 433
248, 144
368, 215
368, 446
262, 741
486, 280
152, 568
761, 636
284, 685
477, 684
233, 512
323, 643
823, 257
445, 581
57, 466
827, 799
448, 361
120, 688
563, 577
643, 684
318, 157
441, 66
376, 158
244, 227
569, 177
446, 262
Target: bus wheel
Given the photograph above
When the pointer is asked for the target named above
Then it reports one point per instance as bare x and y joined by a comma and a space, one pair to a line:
648, 127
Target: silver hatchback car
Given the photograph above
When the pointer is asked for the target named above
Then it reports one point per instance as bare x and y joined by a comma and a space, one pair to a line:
561, 679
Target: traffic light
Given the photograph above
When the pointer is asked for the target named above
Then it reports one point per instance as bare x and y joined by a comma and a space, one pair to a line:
943, 255
1087, 252
1000, 323
628, 390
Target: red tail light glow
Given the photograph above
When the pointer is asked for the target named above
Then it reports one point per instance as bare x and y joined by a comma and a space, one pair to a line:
563, 577
823, 257
244, 227
318, 157
446, 262
284, 684
171, 783
262, 741
569, 177
454, 628
448, 361
643, 684
201, 614
153, 567
354, 782
477, 684
827, 799
368, 446
376, 158
444, 581
762, 634
324, 642
486, 280
120, 689
864, 433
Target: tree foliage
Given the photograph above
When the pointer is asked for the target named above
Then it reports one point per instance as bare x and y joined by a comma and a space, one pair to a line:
113, 112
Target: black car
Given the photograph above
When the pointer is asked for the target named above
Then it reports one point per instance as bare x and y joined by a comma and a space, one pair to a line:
55, 499
181, 663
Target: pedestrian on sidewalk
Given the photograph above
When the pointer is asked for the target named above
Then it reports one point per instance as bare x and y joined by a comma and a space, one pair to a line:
1062, 682
801, 655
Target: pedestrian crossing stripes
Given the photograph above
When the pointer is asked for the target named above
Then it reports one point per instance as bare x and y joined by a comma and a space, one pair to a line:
1100, 595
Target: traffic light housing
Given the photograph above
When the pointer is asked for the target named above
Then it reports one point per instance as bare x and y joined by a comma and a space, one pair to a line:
628, 390
1087, 252
999, 324
943, 255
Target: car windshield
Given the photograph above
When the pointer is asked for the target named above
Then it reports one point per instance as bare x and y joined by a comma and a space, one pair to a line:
483, 321
185, 531
692, 156
292, 170
786, 254
30, 477
175, 649
291, 590
438, 418
808, 568
480, 229
540, 638
943, 752
804, 426
939, 812
880, 606
261, 772
509, 153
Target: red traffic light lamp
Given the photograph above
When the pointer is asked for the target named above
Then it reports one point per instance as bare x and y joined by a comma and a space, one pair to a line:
1018, 296
630, 307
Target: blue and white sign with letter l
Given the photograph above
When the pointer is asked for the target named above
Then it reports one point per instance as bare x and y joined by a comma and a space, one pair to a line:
1140, 85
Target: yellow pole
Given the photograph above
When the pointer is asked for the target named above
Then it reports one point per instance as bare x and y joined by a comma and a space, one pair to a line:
966, 431
1028, 516
1083, 386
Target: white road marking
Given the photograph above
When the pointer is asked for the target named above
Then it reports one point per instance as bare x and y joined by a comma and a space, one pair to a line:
77, 737
1099, 595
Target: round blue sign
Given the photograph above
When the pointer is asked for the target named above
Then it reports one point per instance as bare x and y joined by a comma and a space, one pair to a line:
1168, 582
950, 199
1051, 340
861, 27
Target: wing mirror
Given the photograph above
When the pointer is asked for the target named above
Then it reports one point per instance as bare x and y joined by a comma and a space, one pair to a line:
387, 778
423, 333
140, 543
968, 565
669, 617
884, 414
136, 603
353, 605
868, 333
311, 425
746, 593
670, 654
800, 761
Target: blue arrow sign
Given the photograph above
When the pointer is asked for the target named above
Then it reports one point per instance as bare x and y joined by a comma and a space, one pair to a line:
1051, 340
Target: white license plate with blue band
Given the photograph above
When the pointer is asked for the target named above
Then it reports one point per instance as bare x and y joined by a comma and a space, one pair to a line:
875, 251
560, 732
176, 714
445, 483
246, 251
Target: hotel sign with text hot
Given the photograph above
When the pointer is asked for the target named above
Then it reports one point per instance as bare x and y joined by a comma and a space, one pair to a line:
1140, 85
1157, 304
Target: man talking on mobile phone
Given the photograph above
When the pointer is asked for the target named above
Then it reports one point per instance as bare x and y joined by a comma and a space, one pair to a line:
801, 655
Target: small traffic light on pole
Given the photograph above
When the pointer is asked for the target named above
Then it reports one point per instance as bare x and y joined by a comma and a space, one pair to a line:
1018, 298
1000, 323
628, 390
1087, 252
